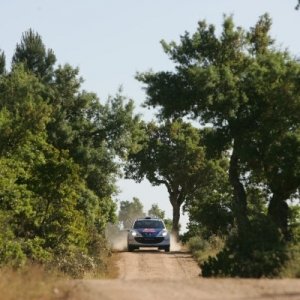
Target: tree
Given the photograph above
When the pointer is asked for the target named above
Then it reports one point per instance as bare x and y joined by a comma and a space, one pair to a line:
282, 170
38, 204
155, 211
171, 154
23, 109
210, 210
2, 62
32, 53
242, 86
76, 126
121, 127
129, 211
93, 134
58, 161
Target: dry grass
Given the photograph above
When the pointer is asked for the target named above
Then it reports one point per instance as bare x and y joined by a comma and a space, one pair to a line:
202, 249
113, 270
34, 283
292, 266
109, 270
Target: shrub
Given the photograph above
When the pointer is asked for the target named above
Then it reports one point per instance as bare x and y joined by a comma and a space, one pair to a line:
78, 262
202, 248
196, 244
260, 253
291, 268
74, 264
11, 254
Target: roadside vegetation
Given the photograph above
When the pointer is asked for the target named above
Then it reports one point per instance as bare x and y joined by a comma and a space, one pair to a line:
34, 283
58, 163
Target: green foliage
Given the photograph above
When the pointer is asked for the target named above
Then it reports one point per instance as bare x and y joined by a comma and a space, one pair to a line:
259, 254
57, 162
23, 110
11, 253
2, 62
196, 243
122, 127
203, 248
211, 206
291, 268
169, 223
221, 81
32, 53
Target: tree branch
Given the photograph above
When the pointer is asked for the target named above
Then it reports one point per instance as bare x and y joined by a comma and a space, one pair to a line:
166, 183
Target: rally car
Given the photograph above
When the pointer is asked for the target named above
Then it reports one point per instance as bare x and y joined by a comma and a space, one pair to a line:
148, 232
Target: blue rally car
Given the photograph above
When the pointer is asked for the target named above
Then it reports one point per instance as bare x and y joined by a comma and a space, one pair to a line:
148, 232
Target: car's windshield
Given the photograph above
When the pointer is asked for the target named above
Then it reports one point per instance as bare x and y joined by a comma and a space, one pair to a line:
148, 224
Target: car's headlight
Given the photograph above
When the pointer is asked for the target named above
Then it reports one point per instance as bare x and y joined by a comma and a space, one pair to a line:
135, 233
164, 233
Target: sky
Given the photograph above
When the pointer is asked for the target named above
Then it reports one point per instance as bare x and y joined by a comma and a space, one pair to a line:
110, 41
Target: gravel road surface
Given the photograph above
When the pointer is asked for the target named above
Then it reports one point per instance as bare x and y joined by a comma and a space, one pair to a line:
151, 274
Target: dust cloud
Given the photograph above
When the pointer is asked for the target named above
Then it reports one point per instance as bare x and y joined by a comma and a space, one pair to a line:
175, 245
117, 238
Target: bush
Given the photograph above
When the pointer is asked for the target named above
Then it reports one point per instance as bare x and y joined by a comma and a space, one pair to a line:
202, 248
73, 260
74, 264
291, 268
11, 254
261, 253
78, 263
197, 243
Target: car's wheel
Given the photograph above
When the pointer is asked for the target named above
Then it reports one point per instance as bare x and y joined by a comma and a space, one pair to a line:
130, 248
167, 248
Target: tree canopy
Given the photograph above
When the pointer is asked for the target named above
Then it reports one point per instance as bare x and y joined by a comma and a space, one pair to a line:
32, 53
248, 91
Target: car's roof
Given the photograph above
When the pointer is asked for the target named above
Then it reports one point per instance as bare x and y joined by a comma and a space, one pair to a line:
149, 218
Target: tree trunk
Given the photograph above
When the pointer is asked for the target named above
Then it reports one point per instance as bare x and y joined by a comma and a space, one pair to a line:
278, 210
240, 197
176, 217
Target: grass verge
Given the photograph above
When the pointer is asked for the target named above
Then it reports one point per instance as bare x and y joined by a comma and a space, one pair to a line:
33, 282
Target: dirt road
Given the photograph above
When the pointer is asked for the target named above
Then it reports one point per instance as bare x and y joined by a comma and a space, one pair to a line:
154, 275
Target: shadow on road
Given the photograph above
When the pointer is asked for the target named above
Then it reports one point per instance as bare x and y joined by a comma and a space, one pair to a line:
155, 251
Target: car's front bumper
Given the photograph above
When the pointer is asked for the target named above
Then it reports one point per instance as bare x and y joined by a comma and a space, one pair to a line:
141, 241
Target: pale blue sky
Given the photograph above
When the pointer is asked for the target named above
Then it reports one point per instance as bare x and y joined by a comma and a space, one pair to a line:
111, 40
